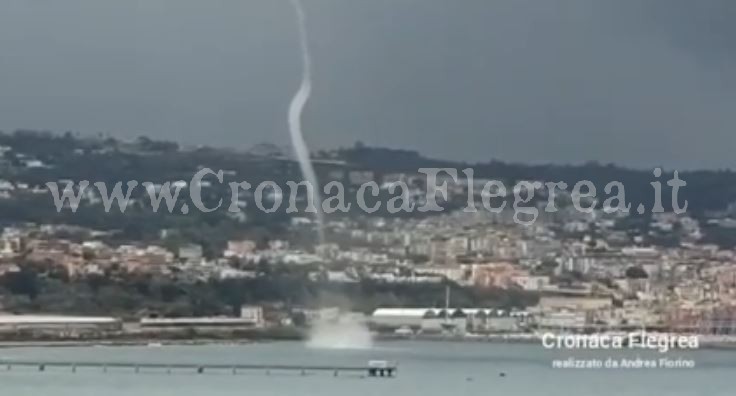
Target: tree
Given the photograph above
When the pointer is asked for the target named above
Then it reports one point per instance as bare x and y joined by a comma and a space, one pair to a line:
95, 282
636, 273
24, 282
299, 319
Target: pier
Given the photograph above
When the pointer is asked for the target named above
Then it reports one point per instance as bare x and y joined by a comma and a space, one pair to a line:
372, 369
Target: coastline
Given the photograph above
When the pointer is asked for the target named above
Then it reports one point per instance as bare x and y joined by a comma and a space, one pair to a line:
188, 336
121, 343
705, 341
292, 335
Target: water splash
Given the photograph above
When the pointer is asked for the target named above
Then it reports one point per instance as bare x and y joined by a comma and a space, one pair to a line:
344, 332
295, 114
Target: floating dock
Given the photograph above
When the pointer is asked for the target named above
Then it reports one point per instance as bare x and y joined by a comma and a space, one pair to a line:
372, 369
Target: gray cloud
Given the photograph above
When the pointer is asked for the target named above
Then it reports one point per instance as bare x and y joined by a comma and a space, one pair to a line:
705, 28
637, 83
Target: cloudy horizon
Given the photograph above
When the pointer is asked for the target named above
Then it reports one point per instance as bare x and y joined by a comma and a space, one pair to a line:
639, 84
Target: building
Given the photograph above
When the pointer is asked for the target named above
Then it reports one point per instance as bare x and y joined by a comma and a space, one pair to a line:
563, 321
531, 282
252, 313
494, 321
239, 249
395, 318
201, 322
58, 324
190, 252
574, 303
436, 320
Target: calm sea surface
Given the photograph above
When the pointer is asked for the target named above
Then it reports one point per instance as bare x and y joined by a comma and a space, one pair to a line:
425, 368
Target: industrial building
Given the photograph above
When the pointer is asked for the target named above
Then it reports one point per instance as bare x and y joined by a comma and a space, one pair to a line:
457, 320
250, 316
68, 325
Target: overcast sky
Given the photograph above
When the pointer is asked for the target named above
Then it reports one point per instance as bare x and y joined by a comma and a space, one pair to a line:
639, 82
